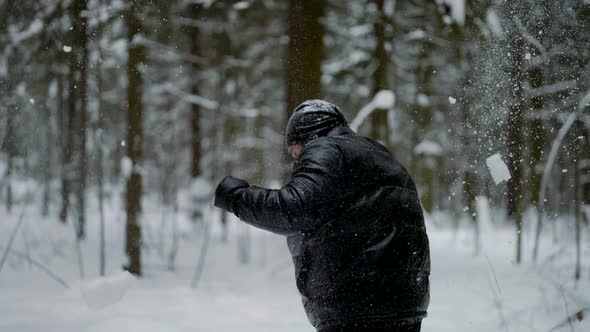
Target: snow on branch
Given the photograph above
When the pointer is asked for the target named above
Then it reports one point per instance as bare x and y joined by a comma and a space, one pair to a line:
192, 99
18, 37
530, 38
383, 100
143, 41
553, 88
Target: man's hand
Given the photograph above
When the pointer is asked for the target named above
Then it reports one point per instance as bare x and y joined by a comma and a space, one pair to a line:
227, 190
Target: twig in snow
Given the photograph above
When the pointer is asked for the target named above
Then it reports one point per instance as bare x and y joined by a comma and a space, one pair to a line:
36, 263
578, 316
566, 311
202, 254
26, 243
78, 249
494, 273
498, 305
13, 235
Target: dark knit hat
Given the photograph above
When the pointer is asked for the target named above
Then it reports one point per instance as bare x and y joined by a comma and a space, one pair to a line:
311, 119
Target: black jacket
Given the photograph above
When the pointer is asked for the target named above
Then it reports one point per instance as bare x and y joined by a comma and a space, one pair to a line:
354, 227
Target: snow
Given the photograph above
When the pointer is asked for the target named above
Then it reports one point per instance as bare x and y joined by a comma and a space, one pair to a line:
428, 147
498, 168
126, 166
452, 100
416, 35
360, 30
262, 296
457, 10
494, 23
487, 293
241, 5
384, 99
18, 37
190, 98
105, 291
67, 48
423, 100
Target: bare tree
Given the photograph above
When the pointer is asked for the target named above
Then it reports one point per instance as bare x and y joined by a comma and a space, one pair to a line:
134, 139
305, 53
514, 126
379, 127
80, 51
9, 146
196, 11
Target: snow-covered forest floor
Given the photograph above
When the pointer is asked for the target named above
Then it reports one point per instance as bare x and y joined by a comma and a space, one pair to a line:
487, 292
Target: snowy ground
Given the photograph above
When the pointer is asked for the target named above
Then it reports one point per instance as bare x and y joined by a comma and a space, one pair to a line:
484, 293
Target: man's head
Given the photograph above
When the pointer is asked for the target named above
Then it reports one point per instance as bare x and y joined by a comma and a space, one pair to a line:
311, 119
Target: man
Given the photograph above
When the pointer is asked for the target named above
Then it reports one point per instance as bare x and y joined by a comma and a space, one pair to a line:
353, 223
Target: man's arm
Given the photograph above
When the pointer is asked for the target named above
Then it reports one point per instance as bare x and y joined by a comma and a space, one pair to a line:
305, 202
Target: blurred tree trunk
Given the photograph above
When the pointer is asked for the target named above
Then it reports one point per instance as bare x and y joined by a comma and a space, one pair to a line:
47, 158
196, 10
305, 53
578, 134
9, 146
80, 53
537, 136
515, 134
468, 53
63, 116
379, 123
578, 216
73, 97
98, 134
134, 140
424, 111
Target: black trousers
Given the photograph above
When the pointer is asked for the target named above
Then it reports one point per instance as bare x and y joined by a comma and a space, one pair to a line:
359, 327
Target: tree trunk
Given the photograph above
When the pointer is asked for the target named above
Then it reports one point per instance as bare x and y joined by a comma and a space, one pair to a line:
466, 56
47, 161
67, 143
83, 123
537, 136
305, 53
424, 111
99, 165
195, 50
134, 141
515, 136
10, 147
379, 124
80, 53
576, 151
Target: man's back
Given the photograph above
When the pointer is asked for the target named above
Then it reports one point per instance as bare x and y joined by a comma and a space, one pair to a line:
368, 259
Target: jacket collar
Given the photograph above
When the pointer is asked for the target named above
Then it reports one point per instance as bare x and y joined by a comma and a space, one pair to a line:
341, 130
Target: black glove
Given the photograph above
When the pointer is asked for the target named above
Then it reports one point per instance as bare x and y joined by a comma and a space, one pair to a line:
226, 192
